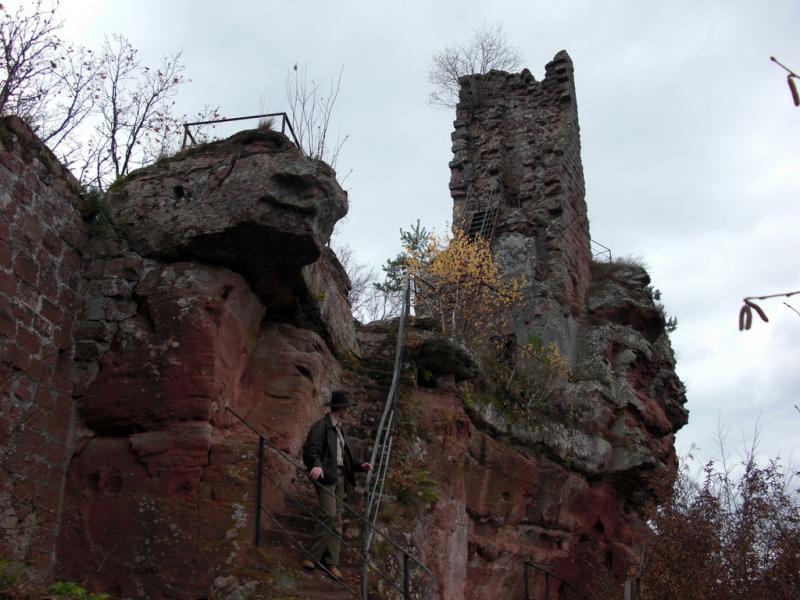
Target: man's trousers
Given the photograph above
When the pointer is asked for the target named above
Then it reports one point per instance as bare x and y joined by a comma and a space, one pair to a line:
325, 546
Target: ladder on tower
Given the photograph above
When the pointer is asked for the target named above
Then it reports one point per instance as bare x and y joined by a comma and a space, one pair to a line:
482, 223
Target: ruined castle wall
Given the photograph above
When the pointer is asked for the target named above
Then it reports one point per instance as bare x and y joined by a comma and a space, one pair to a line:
516, 146
41, 234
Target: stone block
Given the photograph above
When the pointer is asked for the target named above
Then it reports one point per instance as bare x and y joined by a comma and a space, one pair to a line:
116, 287
66, 297
126, 267
8, 284
87, 350
119, 310
29, 341
26, 269
94, 309
8, 325
93, 268
99, 331
50, 311
105, 248
5, 255
29, 225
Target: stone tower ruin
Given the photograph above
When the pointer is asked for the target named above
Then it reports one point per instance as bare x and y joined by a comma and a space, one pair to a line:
517, 179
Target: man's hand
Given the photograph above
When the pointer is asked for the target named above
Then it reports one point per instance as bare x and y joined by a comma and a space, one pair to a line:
316, 473
366, 466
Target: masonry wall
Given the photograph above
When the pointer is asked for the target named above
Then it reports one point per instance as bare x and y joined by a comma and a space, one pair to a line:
516, 146
41, 234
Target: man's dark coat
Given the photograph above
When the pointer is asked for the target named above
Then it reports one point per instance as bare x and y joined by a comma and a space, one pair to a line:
320, 451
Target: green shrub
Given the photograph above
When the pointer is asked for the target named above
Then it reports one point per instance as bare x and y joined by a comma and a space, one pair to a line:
71, 590
413, 487
94, 211
9, 575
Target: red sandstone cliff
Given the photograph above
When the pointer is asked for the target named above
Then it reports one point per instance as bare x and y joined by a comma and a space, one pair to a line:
212, 288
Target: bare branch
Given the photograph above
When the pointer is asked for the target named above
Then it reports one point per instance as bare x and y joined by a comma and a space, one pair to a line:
135, 103
488, 49
748, 306
790, 80
311, 109
46, 82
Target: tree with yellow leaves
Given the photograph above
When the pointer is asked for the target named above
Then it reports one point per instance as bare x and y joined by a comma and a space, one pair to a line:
461, 285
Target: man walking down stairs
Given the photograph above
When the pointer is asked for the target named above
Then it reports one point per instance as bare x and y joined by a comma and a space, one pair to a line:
329, 461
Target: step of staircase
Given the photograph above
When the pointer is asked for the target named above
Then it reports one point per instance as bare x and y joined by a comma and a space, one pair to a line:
317, 584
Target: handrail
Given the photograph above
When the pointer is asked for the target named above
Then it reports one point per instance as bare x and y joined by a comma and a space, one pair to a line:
285, 124
541, 568
341, 538
302, 548
606, 251
265, 442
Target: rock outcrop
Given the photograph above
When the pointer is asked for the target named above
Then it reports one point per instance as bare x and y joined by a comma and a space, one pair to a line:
203, 288
569, 483
204, 294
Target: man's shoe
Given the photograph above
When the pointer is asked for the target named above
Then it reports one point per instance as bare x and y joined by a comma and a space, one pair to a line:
307, 564
334, 571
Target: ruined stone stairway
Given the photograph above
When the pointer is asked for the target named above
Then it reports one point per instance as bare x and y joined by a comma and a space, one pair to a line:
282, 544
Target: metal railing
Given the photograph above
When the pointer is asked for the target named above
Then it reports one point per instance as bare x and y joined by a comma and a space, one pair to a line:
564, 589
599, 250
262, 475
286, 124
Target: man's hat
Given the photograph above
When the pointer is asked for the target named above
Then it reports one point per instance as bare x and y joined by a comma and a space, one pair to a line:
339, 399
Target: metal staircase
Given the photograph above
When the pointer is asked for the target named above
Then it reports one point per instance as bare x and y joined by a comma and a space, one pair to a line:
380, 458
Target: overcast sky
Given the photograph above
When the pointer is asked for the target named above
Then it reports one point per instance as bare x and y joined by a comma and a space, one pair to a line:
691, 147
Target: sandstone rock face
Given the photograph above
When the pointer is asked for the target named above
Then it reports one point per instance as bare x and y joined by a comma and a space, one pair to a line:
251, 201
568, 488
41, 239
213, 290
177, 325
327, 283
168, 509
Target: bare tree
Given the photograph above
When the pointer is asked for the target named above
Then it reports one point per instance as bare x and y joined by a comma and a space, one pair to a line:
368, 302
46, 82
311, 108
135, 104
488, 49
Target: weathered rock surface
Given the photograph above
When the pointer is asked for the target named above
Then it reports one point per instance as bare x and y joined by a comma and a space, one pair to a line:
214, 290
159, 500
568, 488
251, 201
168, 510
327, 283
181, 356
566, 485
443, 356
